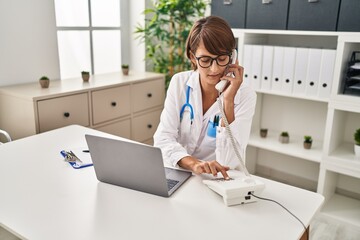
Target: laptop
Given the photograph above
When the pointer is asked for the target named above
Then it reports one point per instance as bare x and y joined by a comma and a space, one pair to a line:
133, 165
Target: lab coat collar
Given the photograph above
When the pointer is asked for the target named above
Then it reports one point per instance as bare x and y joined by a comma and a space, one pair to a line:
194, 80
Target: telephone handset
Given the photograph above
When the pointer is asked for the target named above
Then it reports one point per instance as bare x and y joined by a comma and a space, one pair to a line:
220, 86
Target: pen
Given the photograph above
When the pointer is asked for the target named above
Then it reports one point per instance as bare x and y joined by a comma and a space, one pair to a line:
217, 120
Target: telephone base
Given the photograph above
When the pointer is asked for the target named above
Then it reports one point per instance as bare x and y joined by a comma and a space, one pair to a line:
236, 191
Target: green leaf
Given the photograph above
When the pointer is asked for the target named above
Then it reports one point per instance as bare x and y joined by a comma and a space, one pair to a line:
167, 26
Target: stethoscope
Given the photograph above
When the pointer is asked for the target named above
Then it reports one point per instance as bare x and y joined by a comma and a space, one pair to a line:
185, 126
186, 106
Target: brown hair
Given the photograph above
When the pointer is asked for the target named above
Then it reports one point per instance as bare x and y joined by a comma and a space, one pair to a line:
216, 35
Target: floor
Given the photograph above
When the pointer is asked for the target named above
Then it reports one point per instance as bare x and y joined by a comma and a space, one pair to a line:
321, 228
324, 228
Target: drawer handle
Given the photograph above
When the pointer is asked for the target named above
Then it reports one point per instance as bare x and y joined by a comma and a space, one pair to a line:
149, 95
313, 1
66, 114
149, 126
113, 104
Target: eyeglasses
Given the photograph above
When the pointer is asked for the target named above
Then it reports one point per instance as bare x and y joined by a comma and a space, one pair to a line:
207, 61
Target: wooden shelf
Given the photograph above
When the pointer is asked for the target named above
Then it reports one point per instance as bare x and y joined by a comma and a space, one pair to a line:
344, 209
302, 97
343, 160
293, 148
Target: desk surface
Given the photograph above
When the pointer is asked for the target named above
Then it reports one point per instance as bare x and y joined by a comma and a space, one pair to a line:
42, 197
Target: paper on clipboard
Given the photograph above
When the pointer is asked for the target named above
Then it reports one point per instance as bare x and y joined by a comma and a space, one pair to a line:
82, 154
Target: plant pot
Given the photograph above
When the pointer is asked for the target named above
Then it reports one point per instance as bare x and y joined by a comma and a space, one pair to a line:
44, 83
125, 71
85, 77
357, 150
263, 132
283, 139
307, 145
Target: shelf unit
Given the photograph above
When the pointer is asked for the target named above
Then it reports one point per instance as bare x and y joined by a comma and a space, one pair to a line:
330, 166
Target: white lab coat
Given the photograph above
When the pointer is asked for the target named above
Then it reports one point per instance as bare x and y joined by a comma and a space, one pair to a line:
176, 142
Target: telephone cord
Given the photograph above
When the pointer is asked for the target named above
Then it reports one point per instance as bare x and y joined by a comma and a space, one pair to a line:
244, 169
228, 130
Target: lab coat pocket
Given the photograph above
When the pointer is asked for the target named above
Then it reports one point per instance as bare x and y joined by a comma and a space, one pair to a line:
211, 130
210, 137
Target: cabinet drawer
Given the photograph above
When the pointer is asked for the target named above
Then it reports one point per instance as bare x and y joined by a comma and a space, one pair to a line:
233, 13
349, 17
120, 128
148, 94
313, 15
262, 14
144, 126
109, 104
63, 111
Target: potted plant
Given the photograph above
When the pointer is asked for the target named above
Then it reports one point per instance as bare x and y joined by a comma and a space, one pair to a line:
307, 142
357, 143
167, 25
284, 137
85, 76
44, 82
263, 132
125, 69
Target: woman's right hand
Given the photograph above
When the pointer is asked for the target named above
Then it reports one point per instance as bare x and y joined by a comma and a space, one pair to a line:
200, 167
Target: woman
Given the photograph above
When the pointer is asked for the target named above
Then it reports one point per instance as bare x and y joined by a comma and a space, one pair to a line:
191, 133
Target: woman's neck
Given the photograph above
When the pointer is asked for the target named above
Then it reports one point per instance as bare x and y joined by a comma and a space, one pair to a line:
209, 96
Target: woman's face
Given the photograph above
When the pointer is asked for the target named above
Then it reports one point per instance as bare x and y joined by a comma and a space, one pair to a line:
210, 75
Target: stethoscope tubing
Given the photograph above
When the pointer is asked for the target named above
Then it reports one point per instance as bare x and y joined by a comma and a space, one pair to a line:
187, 104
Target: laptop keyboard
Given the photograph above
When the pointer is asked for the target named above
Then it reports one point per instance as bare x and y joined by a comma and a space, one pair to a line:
171, 183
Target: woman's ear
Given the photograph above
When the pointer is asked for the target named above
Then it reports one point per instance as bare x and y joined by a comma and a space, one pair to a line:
193, 61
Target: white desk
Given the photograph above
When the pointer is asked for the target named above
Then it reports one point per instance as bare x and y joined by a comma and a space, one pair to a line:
42, 197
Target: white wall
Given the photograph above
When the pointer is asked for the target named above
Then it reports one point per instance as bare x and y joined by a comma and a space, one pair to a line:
137, 49
28, 45
28, 41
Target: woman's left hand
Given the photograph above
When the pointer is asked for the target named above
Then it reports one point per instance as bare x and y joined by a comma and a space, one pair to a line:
234, 82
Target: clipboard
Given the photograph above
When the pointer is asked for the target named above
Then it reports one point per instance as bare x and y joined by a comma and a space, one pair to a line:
77, 158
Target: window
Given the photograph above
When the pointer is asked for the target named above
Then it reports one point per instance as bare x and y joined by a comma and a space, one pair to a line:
89, 36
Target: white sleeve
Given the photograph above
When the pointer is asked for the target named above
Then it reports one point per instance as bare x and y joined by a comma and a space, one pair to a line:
240, 128
167, 134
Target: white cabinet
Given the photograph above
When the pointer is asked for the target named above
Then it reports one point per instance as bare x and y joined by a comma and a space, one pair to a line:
331, 118
127, 106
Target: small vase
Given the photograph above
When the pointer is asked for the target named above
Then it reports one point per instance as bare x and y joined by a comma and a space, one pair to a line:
85, 77
307, 145
283, 139
263, 132
125, 71
357, 150
44, 83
